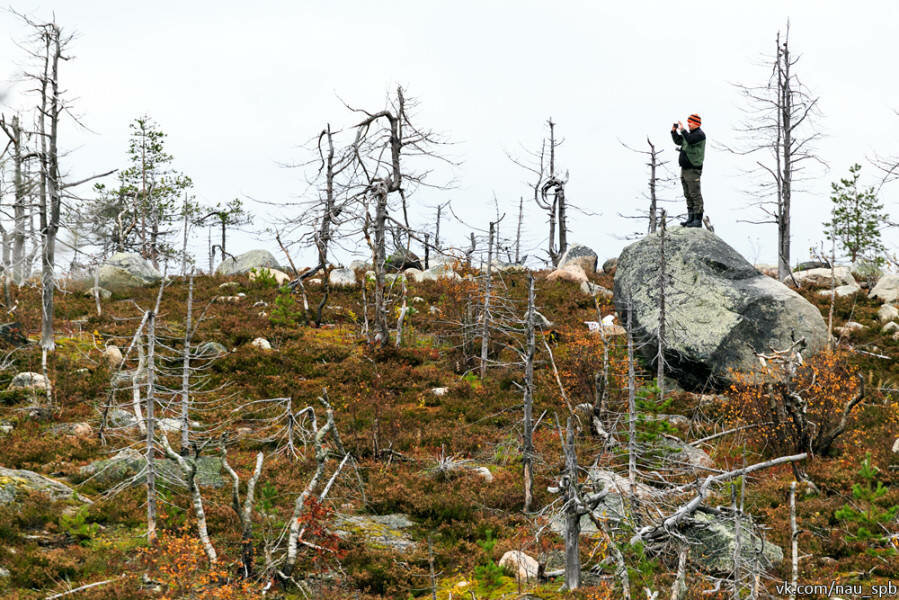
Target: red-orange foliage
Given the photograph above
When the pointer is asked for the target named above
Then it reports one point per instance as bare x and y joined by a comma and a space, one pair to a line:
826, 384
178, 563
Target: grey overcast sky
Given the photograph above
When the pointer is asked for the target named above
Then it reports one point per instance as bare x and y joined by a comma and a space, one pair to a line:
238, 86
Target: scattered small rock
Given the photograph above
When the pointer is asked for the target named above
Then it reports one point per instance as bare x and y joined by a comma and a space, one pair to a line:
849, 327
483, 472
228, 299
841, 291
416, 275
417, 300
887, 312
103, 293
581, 255
439, 391
524, 566
113, 356
228, 285
80, 430
261, 344
821, 277
890, 327
896, 446
592, 289
29, 381
342, 277
610, 265
887, 288
574, 273
280, 277
211, 349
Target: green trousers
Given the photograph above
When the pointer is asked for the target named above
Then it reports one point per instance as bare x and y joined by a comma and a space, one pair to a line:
689, 178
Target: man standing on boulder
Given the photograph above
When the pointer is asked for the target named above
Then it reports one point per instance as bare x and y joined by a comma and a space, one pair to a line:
692, 152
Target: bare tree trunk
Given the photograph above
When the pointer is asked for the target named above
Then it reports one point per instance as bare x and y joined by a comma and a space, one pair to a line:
563, 220
652, 186
402, 315
572, 514
833, 290
662, 283
151, 425
96, 289
518, 230
321, 457
527, 455
211, 248
188, 467
485, 318
679, 587
783, 225
380, 261
794, 542
185, 372
631, 408
135, 384
186, 231
431, 569
51, 196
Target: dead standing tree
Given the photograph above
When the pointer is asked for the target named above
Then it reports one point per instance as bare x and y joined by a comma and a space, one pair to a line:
322, 217
48, 48
18, 140
391, 133
656, 180
779, 127
548, 191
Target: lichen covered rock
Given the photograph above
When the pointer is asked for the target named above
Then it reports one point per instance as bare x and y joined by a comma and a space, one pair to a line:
722, 308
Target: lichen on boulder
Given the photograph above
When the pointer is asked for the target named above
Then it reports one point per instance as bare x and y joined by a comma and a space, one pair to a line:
720, 311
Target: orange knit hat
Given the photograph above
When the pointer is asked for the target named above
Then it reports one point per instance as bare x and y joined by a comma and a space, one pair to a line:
694, 119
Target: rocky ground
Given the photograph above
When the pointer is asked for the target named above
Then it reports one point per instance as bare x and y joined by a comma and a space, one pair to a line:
437, 480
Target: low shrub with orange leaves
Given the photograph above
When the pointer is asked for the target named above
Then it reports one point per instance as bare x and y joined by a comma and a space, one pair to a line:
798, 410
177, 562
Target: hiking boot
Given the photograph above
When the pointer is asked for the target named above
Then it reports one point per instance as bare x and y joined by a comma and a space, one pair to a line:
688, 221
696, 222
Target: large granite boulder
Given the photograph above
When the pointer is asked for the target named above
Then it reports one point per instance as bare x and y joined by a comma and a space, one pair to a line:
581, 255
720, 310
713, 540
254, 259
125, 271
821, 277
16, 482
130, 465
383, 532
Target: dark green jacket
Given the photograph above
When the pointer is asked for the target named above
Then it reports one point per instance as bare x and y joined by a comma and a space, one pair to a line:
692, 148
